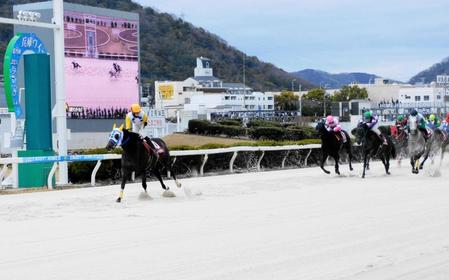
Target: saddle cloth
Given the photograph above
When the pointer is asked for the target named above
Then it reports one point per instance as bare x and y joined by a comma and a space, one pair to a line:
157, 148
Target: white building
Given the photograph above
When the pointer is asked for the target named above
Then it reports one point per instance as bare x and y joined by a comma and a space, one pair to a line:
255, 101
205, 91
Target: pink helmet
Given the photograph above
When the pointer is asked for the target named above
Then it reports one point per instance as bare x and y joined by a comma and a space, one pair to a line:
329, 119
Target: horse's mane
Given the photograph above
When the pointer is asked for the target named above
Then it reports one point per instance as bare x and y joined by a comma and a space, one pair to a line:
131, 135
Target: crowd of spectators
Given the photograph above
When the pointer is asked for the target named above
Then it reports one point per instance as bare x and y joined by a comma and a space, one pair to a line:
96, 113
277, 116
389, 104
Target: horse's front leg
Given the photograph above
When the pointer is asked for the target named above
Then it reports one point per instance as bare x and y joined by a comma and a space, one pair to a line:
414, 161
426, 156
365, 161
337, 159
323, 159
125, 175
386, 162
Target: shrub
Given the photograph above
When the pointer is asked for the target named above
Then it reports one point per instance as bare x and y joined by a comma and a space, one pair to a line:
198, 126
231, 122
271, 133
233, 131
262, 123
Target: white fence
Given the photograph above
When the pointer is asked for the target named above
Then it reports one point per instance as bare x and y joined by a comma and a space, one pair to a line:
99, 158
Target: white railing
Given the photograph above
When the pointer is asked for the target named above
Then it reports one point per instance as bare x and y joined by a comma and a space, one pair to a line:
205, 153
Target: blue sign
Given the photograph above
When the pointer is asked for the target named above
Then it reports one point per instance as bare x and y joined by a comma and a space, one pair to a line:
21, 43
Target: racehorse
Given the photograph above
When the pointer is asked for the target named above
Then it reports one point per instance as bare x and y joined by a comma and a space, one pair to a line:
138, 157
372, 145
332, 145
417, 145
399, 138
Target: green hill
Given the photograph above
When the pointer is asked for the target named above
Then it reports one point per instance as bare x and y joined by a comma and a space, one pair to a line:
429, 75
169, 47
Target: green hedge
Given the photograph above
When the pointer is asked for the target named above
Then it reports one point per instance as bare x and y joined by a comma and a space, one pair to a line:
231, 122
259, 129
80, 172
262, 123
272, 133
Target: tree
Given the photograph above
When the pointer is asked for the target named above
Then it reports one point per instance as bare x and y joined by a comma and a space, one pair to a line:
286, 101
316, 94
349, 93
314, 102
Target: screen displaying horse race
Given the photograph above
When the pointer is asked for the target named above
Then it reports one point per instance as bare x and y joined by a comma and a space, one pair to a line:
101, 65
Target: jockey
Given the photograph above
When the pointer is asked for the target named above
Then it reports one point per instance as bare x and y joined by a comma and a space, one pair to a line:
434, 122
445, 124
332, 125
422, 124
135, 121
372, 122
400, 125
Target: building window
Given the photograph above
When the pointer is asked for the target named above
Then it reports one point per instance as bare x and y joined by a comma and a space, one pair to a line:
407, 97
270, 106
270, 97
233, 97
417, 98
227, 97
426, 98
439, 97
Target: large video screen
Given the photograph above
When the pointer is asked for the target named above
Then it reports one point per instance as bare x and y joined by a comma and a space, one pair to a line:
101, 64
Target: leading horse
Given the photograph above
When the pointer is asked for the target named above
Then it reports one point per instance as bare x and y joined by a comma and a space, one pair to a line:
331, 145
137, 156
417, 145
372, 145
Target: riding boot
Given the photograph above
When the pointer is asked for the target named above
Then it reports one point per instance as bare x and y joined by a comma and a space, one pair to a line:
343, 136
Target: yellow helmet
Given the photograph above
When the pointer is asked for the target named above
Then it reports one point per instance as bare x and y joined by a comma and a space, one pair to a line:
135, 108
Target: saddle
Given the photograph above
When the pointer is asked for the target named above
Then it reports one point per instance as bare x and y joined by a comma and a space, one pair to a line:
340, 137
157, 149
428, 134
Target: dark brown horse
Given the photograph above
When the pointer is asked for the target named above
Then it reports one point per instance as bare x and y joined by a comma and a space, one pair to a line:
140, 158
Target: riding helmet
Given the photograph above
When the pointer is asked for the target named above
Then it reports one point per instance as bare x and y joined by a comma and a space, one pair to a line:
135, 108
400, 118
367, 115
432, 117
414, 113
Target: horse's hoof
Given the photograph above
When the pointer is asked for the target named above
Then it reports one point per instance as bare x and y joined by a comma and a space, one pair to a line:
421, 167
337, 172
351, 169
119, 200
388, 173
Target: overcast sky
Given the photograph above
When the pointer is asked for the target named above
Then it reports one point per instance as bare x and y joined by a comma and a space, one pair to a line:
390, 38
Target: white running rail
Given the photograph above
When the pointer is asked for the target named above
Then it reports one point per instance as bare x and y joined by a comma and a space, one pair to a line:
205, 153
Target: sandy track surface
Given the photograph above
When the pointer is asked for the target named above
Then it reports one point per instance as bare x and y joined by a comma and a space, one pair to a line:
294, 224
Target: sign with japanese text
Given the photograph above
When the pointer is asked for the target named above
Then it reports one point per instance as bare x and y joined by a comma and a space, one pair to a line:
22, 42
166, 91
